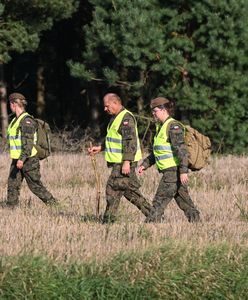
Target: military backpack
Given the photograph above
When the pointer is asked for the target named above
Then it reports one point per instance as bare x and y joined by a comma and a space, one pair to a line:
199, 148
43, 145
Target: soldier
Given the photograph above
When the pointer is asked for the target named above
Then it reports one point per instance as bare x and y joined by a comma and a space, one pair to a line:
25, 164
171, 158
122, 152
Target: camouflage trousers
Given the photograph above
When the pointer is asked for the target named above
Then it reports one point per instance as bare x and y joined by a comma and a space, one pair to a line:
170, 187
119, 185
31, 172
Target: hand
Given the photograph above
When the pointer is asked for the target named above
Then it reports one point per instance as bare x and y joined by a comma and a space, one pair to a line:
141, 170
94, 150
184, 178
19, 164
125, 167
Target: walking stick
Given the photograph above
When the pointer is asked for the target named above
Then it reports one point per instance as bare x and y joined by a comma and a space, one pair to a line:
98, 183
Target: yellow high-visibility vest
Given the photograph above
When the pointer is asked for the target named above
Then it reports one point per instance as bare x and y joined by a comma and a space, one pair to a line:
15, 138
162, 149
113, 141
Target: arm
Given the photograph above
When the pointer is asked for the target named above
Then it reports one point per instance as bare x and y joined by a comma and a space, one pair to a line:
129, 141
28, 128
176, 136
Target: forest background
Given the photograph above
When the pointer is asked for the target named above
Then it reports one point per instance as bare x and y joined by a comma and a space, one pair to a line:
65, 55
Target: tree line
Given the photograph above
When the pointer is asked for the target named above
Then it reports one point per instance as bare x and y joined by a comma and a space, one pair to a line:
65, 55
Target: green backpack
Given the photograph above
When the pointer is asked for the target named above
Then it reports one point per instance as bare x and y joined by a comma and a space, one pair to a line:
43, 145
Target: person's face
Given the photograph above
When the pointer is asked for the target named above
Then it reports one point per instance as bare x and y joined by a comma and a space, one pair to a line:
13, 106
158, 114
111, 106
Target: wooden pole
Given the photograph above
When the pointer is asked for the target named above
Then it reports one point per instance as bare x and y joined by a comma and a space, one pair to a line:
98, 183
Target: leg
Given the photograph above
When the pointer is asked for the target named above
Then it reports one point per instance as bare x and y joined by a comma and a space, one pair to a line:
165, 193
186, 204
14, 185
133, 194
31, 172
113, 197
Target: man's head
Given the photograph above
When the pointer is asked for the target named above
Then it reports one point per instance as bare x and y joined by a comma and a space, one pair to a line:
112, 104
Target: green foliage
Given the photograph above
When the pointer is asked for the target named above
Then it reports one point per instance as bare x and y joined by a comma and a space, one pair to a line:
123, 43
21, 23
195, 52
170, 272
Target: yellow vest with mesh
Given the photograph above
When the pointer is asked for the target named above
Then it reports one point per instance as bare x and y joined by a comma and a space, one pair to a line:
162, 149
15, 138
113, 141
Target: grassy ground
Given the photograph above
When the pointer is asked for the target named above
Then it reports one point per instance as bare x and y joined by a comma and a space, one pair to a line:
211, 252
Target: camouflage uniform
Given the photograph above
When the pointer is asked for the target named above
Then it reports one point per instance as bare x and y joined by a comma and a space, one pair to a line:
30, 170
170, 185
118, 184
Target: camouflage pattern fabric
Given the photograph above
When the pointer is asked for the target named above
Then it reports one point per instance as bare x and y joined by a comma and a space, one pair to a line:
28, 126
30, 170
119, 185
176, 138
170, 187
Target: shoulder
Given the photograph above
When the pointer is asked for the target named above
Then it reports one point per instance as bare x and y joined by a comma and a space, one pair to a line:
28, 121
176, 127
128, 119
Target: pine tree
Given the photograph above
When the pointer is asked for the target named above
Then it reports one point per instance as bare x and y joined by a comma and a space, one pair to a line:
209, 42
21, 23
123, 46
192, 51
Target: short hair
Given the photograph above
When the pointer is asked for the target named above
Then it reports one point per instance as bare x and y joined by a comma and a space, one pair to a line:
113, 95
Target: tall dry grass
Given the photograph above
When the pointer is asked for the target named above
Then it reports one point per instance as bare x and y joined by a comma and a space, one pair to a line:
219, 191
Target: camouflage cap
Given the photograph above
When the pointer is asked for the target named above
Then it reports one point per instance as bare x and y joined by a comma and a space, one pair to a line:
14, 96
158, 101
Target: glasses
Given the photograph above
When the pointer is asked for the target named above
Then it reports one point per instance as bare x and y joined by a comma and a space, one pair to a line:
155, 110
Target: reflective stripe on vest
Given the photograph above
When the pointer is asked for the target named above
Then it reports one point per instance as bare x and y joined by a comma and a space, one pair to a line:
162, 149
15, 138
113, 141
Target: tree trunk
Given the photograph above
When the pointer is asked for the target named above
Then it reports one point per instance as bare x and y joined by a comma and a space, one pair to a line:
3, 104
140, 100
41, 104
4, 118
94, 103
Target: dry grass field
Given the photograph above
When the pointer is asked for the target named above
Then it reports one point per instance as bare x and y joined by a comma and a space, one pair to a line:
219, 191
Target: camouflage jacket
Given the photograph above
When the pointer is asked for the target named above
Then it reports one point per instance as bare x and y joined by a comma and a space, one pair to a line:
176, 138
28, 127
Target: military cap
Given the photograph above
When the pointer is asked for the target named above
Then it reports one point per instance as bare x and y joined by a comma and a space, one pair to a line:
14, 96
158, 101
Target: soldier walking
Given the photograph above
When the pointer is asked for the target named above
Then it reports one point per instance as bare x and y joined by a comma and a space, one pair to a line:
22, 137
122, 152
171, 158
